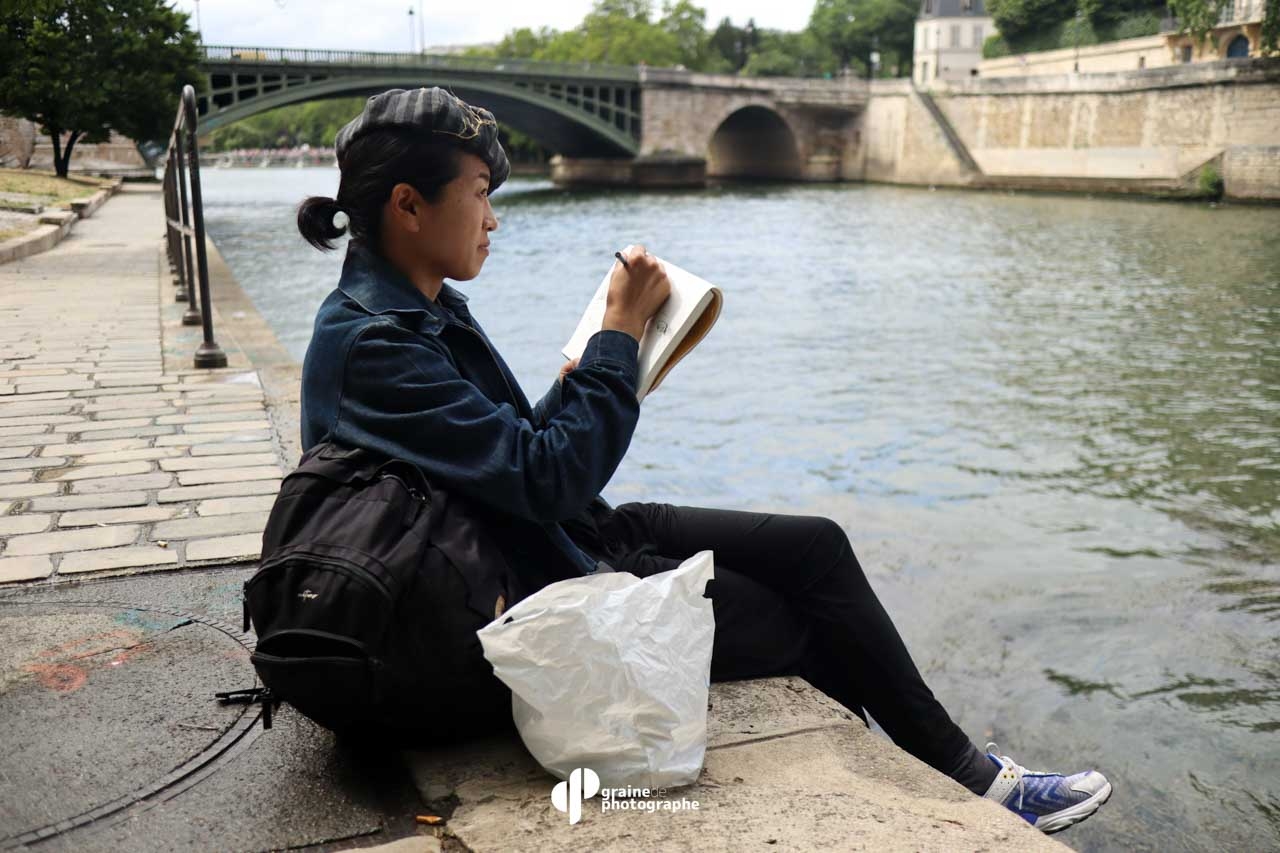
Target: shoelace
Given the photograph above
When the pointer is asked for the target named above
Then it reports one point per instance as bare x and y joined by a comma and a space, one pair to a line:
1013, 766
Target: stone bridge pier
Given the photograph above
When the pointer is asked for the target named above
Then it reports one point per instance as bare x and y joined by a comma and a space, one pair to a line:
700, 126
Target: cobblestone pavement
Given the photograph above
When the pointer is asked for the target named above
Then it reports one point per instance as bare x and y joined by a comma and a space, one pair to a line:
108, 461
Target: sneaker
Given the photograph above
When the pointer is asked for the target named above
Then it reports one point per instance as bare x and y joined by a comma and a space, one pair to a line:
1048, 801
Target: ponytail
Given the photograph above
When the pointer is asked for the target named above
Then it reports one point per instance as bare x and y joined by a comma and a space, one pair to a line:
315, 221
371, 167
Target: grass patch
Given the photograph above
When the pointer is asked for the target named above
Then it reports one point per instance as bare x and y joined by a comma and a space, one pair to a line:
10, 233
44, 185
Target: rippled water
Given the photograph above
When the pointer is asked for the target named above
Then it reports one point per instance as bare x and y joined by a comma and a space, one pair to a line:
1051, 426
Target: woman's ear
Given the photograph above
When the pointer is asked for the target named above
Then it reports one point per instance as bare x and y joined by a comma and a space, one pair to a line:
404, 207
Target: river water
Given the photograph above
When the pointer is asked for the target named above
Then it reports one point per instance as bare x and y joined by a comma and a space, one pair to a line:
1050, 426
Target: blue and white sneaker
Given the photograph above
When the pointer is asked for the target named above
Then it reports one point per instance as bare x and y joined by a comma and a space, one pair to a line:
1048, 801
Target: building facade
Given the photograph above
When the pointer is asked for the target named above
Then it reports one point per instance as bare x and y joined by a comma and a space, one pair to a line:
1238, 35
948, 40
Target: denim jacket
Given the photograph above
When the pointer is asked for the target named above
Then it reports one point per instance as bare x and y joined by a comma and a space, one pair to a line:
393, 372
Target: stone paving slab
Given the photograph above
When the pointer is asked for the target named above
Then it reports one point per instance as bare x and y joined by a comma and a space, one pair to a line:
115, 453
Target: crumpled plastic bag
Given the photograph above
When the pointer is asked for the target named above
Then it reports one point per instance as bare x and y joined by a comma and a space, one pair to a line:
612, 672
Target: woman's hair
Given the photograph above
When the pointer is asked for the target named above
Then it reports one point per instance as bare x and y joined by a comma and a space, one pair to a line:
374, 163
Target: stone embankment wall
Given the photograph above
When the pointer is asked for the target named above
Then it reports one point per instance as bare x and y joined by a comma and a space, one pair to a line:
1124, 55
1144, 131
17, 139
117, 154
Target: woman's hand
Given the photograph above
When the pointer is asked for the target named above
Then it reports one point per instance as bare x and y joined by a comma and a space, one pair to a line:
635, 294
564, 371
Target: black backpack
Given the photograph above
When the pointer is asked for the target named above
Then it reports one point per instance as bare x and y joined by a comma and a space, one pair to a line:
371, 588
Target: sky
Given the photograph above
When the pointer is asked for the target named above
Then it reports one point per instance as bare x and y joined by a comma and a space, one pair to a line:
384, 24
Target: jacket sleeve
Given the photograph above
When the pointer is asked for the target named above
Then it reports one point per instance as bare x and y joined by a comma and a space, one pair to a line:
403, 395
546, 408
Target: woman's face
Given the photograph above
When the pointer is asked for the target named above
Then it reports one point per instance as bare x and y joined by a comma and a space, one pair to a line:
453, 240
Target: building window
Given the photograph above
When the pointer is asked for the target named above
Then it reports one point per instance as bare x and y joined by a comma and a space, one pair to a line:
924, 71
1186, 53
1238, 48
966, 5
928, 7
955, 35
977, 35
1142, 62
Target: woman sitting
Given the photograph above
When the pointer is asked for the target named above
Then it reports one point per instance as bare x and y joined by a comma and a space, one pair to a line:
397, 364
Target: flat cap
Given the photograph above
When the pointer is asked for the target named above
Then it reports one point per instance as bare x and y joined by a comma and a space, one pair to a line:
434, 111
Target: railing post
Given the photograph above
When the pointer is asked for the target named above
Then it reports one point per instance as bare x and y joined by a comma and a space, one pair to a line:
191, 317
208, 354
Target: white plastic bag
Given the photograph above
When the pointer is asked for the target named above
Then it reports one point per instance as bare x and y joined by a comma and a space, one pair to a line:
612, 672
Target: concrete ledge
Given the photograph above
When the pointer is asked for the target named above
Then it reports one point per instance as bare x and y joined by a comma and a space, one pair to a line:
58, 217
785, 766
87, 207
1165, 163
43, 238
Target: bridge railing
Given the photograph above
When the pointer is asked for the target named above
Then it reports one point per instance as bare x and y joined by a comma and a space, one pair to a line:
306, 56
184, 225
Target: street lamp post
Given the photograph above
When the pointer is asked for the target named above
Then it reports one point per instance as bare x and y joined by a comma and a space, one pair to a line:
411, 33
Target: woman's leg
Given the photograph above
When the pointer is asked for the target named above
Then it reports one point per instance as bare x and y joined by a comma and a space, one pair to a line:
855, 655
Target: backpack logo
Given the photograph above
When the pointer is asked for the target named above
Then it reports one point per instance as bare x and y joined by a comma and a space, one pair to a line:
307, 595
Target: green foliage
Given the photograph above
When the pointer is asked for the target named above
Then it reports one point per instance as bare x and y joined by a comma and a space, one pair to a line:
85, 69
1210, 182
1136, 25
851, 29
627, 32
790, 54
1198, 17
1271, 28
1106, 24
734, 45
1017, 19
994, 47
313, 123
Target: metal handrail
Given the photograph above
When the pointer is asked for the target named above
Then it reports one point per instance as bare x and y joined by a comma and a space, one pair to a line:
306, 56
184, 225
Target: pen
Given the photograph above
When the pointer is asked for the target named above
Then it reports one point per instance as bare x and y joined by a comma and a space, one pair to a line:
622, 261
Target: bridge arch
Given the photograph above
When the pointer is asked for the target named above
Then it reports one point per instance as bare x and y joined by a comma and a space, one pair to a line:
754, 141
554, 124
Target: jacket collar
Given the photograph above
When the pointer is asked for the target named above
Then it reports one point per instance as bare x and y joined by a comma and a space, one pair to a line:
379, 288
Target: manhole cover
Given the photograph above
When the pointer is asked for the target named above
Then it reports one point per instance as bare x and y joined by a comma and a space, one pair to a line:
107, 706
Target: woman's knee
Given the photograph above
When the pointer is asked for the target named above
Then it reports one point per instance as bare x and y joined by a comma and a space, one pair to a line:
829, 541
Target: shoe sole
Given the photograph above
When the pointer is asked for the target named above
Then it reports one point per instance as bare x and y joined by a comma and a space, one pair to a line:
1058, 821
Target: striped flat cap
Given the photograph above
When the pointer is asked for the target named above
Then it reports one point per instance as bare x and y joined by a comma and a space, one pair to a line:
437, 112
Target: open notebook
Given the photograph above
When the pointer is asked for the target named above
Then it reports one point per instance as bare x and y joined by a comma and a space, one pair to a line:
684, 319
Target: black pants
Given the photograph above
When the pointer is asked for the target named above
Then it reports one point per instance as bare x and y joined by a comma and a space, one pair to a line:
789, 598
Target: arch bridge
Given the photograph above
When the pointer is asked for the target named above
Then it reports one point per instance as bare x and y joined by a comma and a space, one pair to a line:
608, 123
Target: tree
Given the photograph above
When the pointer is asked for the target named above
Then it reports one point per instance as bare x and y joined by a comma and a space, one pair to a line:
790, 54
727, 43
687, 24
84, 69
851, 29
1018, 18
